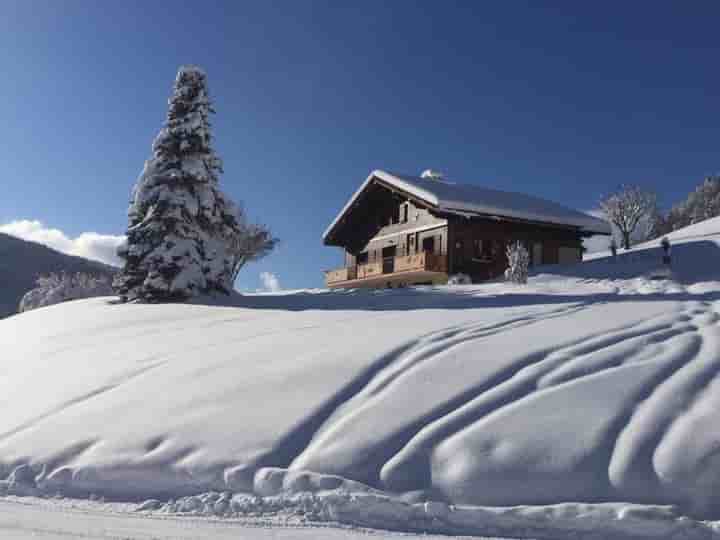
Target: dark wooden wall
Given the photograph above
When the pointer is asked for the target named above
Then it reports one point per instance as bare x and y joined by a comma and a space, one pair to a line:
396, 231
497, 235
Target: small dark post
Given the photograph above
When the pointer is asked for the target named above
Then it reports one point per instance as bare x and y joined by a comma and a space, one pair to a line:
665, 243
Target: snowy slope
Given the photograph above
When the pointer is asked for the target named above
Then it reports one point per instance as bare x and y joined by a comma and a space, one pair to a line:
594, 383
21, 262
694, 250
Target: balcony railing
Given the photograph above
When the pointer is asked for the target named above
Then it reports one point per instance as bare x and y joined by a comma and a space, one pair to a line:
390, 266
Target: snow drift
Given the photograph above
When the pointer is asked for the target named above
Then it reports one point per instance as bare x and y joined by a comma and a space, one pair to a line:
596, 384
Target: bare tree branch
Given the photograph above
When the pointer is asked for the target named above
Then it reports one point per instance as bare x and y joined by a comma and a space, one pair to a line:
626, 207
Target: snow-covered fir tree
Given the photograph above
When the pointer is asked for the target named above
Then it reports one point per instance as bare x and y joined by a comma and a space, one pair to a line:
518, 262
185, 237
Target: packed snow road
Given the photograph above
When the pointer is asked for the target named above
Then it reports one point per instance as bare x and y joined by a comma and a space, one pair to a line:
25, 520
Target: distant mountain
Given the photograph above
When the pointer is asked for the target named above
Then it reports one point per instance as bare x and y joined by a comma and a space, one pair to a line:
21, 262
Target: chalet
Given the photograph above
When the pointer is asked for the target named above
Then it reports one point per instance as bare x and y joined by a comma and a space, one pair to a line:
401, 230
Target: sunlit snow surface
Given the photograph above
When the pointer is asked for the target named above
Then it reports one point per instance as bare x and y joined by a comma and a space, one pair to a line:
578, 387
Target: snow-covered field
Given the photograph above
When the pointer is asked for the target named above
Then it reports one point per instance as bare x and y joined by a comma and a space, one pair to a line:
588, 397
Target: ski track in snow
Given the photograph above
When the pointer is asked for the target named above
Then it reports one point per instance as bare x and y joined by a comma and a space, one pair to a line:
594, 388
79, 400
458, 413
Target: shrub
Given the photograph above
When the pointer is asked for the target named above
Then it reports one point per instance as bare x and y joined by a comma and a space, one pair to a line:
518, 263
61, 287
459, 279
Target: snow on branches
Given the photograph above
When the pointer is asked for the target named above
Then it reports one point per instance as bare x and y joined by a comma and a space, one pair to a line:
185, 237
61, 287
626, 208
701, 204
518, 262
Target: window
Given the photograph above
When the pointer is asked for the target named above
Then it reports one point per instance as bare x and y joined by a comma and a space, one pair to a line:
362, 258
404, 213
478, 248
428, 244
395, 213
409, 244
389, 251
484, 249
459, 252
537, 253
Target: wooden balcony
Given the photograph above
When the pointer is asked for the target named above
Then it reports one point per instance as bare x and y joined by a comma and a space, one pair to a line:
341, 274
416, 268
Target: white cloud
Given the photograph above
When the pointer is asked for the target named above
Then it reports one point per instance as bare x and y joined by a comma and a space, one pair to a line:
91, 245
270, 282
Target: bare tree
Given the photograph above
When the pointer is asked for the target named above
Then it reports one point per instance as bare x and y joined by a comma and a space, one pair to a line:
626, 208
252, 242
518, 262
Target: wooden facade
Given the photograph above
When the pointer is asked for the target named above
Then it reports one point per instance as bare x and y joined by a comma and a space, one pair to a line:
391, 238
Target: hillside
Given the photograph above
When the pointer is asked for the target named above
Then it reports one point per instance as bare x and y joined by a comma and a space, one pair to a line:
21, 262
593, 385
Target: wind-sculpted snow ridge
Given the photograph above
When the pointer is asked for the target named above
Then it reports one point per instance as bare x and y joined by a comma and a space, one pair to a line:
569, 390
617, 521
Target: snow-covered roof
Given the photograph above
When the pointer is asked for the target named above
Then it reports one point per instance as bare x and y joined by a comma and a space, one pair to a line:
451, 197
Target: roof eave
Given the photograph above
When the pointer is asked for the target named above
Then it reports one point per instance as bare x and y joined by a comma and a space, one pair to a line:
395, 184
345, 208
387, 179
499, 217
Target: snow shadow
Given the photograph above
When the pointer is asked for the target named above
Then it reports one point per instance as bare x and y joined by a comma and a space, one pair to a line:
691, 262
441, 299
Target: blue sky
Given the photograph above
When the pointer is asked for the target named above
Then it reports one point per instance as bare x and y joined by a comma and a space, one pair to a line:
563, 101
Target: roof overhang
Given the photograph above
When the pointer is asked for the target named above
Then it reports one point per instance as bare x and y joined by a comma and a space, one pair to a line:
427, 199
378, 176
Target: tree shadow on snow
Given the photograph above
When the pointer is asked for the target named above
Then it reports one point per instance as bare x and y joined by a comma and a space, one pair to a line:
405, 300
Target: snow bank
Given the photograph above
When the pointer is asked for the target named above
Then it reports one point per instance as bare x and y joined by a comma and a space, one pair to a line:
556, 522
571, 389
